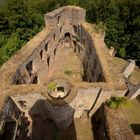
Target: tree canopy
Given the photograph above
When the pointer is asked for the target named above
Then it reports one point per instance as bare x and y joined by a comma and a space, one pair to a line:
20, 20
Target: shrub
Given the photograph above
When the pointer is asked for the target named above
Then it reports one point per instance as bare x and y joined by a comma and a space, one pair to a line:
115, 102
68, 72
52, 86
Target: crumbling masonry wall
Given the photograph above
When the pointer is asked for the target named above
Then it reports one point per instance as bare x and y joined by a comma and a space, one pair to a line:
28, 72
37, 65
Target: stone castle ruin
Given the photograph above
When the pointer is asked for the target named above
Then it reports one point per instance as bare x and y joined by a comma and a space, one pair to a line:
52, 87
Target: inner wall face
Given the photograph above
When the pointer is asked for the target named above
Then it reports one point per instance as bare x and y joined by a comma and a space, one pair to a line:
68, 42
91, 64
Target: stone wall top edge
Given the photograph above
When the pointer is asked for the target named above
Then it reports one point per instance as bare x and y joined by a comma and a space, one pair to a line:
62, 9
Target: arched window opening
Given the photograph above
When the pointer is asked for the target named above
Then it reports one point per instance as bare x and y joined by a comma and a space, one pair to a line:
46, 47
58, 20
60, 30
29, 67
41, 54
54, 37
48, 61
54, 51
67, 37
67, 34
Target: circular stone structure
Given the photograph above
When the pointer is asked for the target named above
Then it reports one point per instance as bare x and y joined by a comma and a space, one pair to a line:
58, 88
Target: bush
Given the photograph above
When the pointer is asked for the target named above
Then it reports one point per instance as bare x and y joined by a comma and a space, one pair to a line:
12, 44
52, 86
115, 102
19, 22
68, 72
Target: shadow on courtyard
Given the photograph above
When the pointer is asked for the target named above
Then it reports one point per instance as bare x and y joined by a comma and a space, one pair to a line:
44, 126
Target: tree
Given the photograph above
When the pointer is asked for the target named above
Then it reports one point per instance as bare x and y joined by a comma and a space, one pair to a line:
120, 19
11, 46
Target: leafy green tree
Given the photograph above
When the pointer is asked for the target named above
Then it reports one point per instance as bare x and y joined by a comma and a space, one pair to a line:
11, 46
120, 20
18, 23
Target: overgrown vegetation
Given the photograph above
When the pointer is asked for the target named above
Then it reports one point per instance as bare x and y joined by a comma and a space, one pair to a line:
22, 19
52, 86
18, 23
115, 102
68, 72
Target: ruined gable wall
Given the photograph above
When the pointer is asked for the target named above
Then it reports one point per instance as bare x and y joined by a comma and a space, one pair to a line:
65, 15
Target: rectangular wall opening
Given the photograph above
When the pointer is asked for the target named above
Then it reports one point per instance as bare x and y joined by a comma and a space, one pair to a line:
9, 130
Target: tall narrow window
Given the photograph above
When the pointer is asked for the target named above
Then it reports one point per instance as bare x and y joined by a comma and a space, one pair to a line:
35, 80
60, 30
74, 42
54, 37
46, 47
58, 20
48, 61
54, 51
41, 54
67, 37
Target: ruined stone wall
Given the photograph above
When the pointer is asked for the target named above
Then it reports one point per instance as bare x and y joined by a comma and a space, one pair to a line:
110, 124
34, 69
10, 110
36, 66
93, 70
13, 122
66, 15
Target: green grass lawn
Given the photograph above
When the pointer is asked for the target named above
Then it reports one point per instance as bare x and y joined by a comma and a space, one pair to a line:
132, 113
